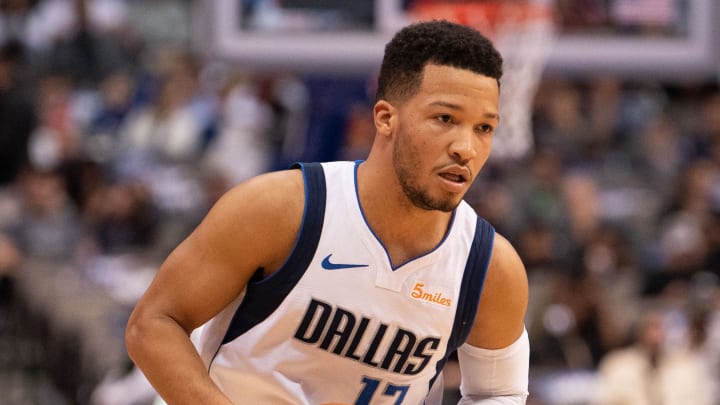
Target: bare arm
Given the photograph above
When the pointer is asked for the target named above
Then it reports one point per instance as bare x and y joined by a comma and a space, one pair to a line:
494, 362
252, 226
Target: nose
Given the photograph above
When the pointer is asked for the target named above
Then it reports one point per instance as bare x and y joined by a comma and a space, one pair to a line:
462, 148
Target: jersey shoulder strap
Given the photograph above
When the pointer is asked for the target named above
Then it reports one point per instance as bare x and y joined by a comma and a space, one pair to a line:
264, 296
473, 279
472, 282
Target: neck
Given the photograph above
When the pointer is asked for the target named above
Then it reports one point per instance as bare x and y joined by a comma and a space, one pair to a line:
405, 230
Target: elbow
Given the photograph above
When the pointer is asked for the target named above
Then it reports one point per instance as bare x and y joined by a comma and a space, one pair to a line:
136, 336
148, 331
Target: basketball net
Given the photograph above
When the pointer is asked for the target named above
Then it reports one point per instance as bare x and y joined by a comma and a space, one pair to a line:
523, 32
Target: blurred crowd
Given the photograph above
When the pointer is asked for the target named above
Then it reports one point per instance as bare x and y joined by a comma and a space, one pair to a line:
616, 214
115, 138
106, 134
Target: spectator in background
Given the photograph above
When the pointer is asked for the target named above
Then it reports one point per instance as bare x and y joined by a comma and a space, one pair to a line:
40, 24
495, 201
539, 190
158, 25
603, 109
288, 98
10, 258
682, 244
575, 323
581, 199
17, 113
242, 148
17, 122
86, 50
648, 373
168, 130
57, 138
712, 230
116, 101
560, 125
121, 217
14, 15
48, 224
659, 149
538, 246
711, 114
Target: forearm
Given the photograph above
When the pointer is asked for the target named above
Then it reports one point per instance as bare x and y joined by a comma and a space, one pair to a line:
495, 377
167, 357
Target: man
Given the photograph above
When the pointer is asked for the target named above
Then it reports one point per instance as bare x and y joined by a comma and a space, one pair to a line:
650, 371
353, 282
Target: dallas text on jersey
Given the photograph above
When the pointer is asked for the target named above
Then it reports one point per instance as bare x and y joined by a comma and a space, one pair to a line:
338, 331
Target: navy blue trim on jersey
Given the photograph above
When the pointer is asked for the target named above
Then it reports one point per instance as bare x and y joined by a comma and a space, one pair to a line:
264, 296
387, 254
472, 284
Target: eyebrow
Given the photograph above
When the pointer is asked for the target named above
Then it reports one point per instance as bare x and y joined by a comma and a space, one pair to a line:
456, 107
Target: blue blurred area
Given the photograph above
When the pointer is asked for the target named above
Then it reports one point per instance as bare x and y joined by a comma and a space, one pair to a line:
332, 98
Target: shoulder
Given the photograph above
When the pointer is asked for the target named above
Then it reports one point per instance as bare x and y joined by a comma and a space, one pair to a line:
503, 302
258, 219
506, 271
271, 188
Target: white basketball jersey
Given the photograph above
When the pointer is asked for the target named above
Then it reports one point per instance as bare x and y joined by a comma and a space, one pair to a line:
338, 323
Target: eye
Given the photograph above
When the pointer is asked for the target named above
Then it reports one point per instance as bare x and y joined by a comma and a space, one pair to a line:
485, 128
444, 118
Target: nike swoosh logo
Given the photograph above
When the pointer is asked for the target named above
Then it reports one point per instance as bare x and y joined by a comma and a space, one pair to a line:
328, 265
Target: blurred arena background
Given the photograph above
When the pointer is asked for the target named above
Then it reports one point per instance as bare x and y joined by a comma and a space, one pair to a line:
121, 122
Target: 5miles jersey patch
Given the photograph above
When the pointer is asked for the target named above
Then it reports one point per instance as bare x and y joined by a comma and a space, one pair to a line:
433, 294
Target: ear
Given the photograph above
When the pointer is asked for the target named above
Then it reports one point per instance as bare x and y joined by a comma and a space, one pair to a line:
385, 117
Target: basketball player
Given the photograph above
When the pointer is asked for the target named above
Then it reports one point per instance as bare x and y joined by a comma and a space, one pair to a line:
352, 282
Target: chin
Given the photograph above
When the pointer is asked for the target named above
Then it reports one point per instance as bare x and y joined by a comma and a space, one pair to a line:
446, 205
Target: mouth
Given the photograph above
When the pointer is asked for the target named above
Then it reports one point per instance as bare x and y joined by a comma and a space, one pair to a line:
455, 178
458, 174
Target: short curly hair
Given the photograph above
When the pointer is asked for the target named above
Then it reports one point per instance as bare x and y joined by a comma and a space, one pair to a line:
436, 42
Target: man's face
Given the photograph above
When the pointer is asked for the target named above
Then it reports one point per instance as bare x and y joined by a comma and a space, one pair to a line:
444, 136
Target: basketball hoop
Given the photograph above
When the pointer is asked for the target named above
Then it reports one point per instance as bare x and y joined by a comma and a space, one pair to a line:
523, 31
